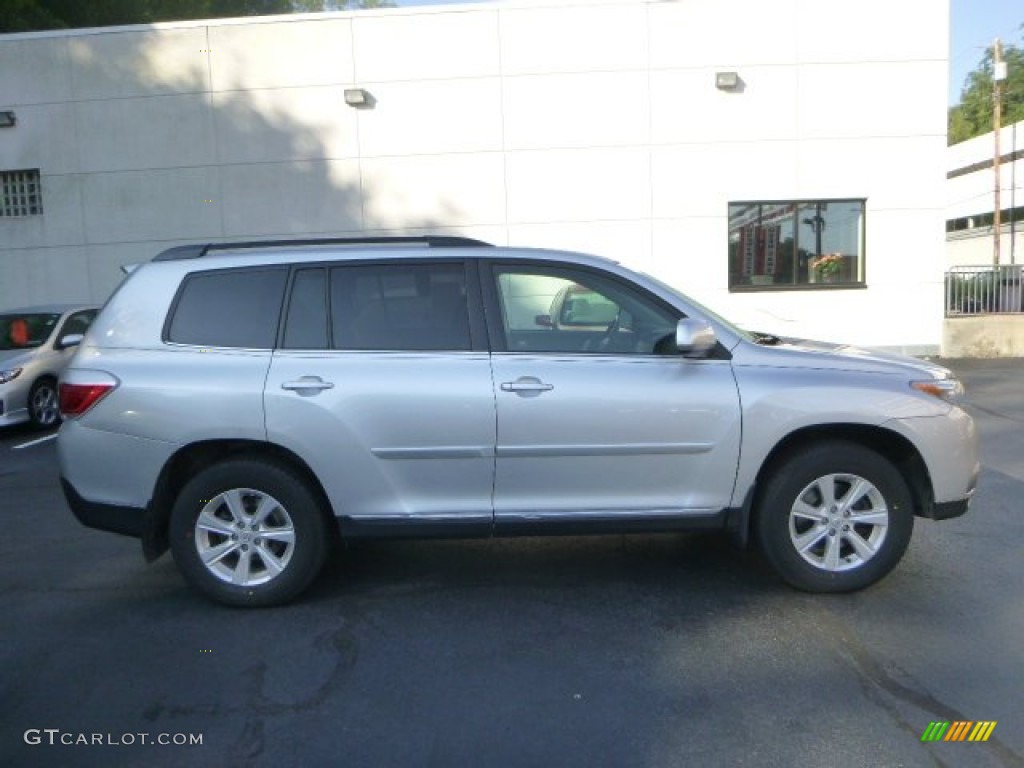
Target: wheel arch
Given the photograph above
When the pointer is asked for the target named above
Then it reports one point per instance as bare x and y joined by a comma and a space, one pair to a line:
190, 460
889, 444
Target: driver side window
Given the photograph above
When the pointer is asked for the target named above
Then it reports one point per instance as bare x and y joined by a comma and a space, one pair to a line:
565, 311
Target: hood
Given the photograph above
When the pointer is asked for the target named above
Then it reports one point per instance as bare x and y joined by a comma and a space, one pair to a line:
804, 353
13, 358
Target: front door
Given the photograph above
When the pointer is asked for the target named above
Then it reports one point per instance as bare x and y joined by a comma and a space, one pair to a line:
598, 414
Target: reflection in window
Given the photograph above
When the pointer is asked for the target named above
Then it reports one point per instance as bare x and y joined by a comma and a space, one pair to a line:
806, 244
548, 310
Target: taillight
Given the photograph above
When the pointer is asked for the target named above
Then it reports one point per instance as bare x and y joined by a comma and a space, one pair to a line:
76, 399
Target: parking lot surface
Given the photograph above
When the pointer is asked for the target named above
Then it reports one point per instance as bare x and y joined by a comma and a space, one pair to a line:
600, 651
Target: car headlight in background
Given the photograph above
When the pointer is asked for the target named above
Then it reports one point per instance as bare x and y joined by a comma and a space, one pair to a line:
950, 390
9, 374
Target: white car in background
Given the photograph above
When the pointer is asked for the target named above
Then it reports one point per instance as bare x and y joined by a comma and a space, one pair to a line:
33, 353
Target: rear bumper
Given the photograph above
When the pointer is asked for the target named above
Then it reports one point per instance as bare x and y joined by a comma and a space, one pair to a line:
128, 521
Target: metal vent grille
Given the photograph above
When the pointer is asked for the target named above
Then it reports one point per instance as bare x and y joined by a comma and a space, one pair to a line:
20, 193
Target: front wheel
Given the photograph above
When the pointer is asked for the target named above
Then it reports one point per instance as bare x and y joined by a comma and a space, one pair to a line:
249, 533
834, 517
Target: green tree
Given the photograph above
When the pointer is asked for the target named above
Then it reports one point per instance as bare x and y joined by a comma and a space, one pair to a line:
30, 15
973, 115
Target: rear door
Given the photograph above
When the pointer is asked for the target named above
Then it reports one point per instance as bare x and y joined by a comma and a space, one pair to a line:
382, 383
598, 414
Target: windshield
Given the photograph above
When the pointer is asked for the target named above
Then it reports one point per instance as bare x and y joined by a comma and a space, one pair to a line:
26, 330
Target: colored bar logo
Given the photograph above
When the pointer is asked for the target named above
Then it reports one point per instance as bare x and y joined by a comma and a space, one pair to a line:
960, 730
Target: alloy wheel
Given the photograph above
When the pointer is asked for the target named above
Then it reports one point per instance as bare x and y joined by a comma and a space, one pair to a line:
244, 537
838, 522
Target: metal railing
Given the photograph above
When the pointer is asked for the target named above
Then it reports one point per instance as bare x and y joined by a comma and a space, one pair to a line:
983, 290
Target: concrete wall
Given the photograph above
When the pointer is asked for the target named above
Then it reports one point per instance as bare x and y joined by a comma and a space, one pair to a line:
984, 336
586, 125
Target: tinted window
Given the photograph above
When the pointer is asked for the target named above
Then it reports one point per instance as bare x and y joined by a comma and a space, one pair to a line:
400, 307
306, 324
237, 308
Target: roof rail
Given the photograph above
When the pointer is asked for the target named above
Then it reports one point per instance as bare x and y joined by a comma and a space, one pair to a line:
199, 250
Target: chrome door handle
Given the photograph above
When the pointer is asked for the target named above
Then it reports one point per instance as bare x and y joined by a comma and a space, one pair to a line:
307, 383
526, 384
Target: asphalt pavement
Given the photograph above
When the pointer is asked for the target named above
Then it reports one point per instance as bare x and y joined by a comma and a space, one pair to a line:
598, 651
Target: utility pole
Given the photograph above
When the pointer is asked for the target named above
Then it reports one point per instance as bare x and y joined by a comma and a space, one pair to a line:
998, 76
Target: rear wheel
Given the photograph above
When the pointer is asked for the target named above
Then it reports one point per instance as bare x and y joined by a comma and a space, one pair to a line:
43, 404
249, 533
834, 517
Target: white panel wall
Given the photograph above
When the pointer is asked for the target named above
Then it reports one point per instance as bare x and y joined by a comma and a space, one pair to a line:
290, 198
596, 109
460, 42
586, 125
138, 62
178, 132
272, 125
712, 34
429, 117
592, 37
578, 185
153, 205
434, 191
280, 55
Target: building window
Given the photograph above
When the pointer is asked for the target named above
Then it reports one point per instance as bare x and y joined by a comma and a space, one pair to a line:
802, 244
20, 193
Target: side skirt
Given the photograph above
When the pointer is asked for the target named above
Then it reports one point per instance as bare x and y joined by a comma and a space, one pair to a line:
560, 524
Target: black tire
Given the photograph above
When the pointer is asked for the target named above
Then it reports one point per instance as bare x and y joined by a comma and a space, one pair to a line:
271, 570
43, 404
847, 545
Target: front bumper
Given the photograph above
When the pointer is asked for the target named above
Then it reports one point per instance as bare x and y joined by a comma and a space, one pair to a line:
948, 509
9, 415
948, 444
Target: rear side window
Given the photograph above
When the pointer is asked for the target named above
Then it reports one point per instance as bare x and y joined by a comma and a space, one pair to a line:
420, 307
234, 308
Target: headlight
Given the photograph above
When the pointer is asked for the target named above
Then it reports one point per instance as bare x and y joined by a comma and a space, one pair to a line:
950, 390
10, 374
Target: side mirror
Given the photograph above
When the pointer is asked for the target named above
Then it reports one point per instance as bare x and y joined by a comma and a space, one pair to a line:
71, 340
695, 338
544, 321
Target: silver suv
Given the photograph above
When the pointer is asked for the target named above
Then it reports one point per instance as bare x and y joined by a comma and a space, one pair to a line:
242, 403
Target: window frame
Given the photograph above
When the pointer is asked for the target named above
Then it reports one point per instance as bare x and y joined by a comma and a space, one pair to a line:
859, 284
